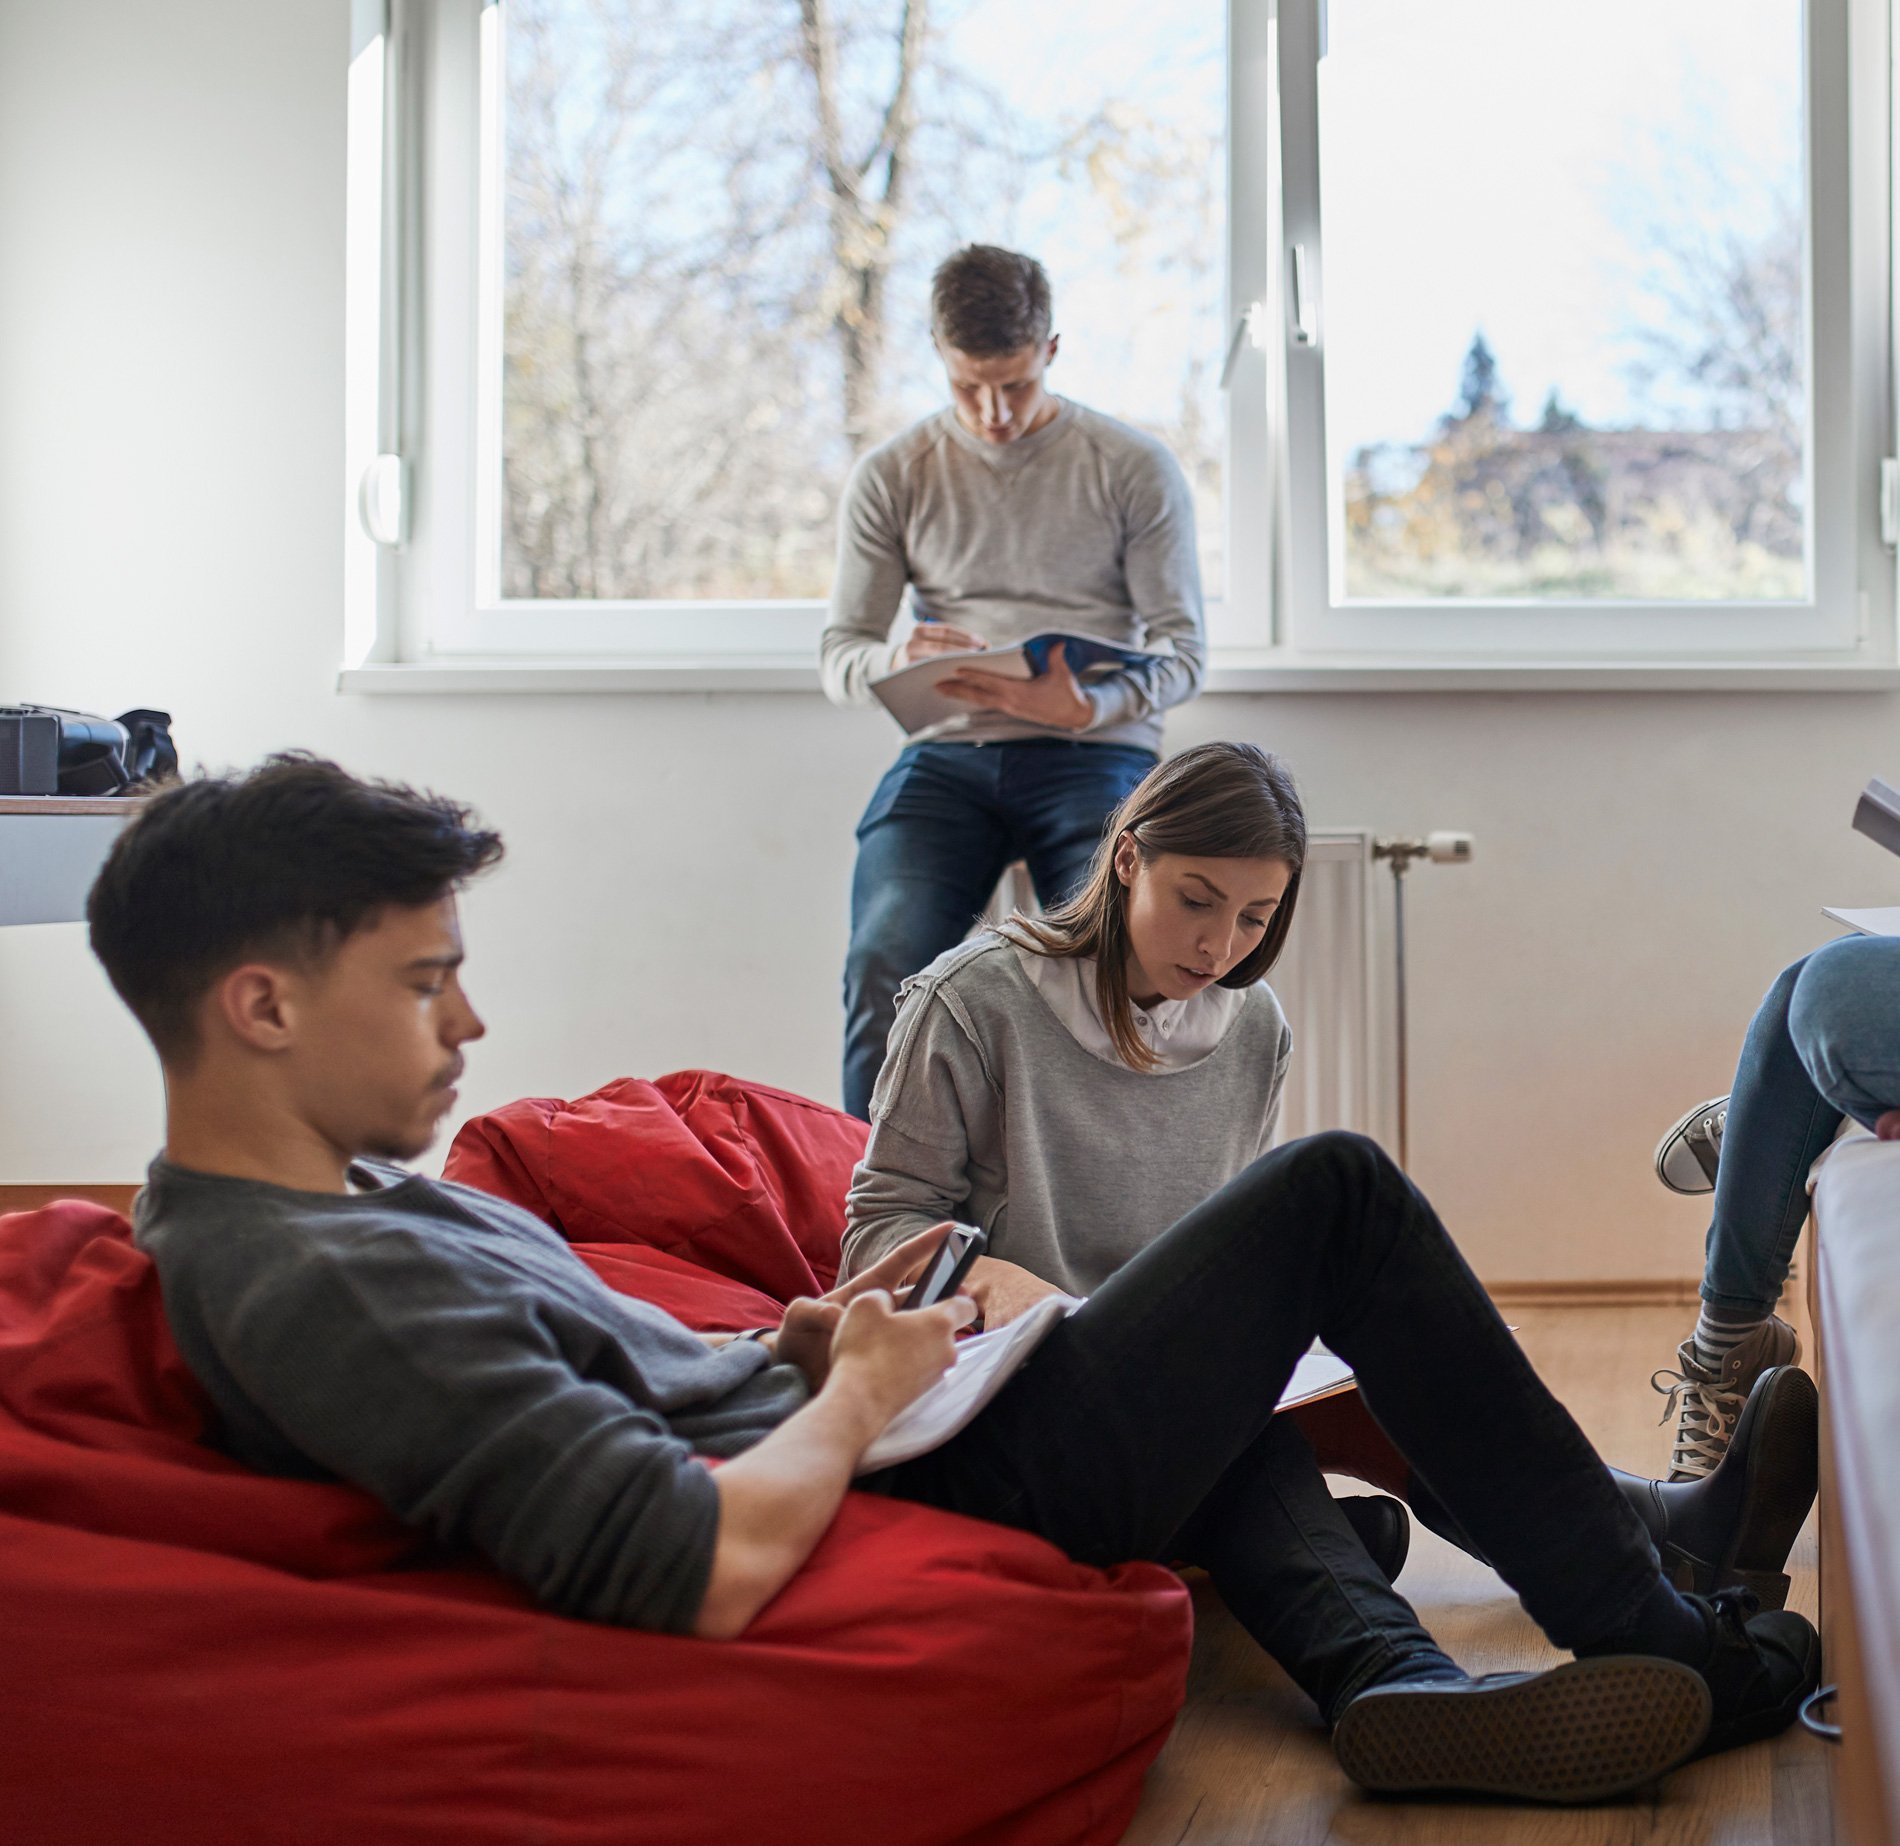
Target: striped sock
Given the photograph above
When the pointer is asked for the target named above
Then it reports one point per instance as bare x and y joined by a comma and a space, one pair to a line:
1718, 1331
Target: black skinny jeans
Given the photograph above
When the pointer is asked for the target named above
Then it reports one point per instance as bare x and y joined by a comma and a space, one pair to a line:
1143, 1427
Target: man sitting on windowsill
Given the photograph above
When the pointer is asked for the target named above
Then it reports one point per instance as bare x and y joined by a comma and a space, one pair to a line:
290, 942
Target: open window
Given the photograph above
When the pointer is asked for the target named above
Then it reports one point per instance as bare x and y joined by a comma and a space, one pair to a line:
1584, 317
659, 275
1484, 332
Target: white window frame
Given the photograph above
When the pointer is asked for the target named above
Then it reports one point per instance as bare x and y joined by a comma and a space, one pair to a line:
423, 611
1849, 613
426, 380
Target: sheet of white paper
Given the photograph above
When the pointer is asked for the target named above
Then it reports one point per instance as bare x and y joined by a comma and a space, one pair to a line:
1319, 1374
987, 1361
1877, 922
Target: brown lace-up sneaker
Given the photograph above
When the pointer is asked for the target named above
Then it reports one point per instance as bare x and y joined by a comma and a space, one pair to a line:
1708, 1402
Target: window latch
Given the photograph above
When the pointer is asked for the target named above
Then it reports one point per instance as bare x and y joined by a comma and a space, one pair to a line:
382, 500
1300, 299
1890, 502
1247, 329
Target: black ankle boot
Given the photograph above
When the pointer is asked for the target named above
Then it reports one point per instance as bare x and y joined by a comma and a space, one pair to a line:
1384, 1528
1737, 1524
1759, 1669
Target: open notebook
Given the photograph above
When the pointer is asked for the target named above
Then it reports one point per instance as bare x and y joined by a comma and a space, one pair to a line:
911, 696
986, 1362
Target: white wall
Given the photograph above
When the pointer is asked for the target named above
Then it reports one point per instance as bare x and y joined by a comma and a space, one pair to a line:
171, 184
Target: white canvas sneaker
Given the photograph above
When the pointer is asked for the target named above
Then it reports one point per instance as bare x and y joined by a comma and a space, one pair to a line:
1687, 1155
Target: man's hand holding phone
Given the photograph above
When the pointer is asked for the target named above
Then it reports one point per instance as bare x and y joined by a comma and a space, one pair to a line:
804, 1337
877, 1345
889, 1359
866, 1362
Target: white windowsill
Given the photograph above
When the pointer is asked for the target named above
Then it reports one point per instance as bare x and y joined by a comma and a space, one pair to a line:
1231, 671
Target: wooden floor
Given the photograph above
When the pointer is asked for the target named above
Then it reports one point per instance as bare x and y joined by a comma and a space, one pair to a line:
1247, 1761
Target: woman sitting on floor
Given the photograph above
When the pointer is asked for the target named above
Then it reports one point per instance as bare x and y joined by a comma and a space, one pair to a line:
1076, 1083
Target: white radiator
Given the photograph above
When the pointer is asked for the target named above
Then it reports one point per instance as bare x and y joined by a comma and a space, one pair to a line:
1331, 981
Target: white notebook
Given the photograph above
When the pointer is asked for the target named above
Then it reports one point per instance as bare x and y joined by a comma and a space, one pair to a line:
987, 1361
911, 696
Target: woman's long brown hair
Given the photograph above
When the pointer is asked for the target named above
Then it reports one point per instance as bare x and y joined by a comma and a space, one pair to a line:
1215, 801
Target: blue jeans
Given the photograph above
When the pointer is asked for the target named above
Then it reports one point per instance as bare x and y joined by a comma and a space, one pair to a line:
945, 822
1825, 1043
1143, 1427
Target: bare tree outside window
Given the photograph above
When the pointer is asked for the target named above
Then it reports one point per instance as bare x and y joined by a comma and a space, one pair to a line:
719, 224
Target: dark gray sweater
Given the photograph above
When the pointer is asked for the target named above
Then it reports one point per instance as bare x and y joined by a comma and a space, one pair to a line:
451, 1354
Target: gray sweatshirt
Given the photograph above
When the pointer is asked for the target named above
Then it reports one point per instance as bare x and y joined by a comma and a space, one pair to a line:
451, 1354
988, 1111
1086, 525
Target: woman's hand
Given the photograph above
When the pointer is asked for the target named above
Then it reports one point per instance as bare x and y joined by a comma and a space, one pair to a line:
1004, 1291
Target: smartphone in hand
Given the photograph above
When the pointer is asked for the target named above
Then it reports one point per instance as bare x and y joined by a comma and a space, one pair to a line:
949, 1263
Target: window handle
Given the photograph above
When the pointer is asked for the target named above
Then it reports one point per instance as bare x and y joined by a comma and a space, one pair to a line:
1247, 328
382, 500
1300, 297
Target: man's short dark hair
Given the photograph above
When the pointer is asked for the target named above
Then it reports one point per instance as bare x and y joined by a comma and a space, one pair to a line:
285, 861
985, 302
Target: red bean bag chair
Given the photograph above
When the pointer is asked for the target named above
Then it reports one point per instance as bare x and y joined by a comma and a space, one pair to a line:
749, 1181
195, 1653
735, 1177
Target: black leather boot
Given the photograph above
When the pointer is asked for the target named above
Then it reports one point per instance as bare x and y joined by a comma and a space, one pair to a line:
1384, 1528
1737, 1524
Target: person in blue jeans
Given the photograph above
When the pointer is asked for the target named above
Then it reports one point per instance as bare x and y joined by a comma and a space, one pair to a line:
1823, 1045
1010, 513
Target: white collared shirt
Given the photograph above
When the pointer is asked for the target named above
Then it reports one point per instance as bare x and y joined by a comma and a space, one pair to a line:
1178, 1032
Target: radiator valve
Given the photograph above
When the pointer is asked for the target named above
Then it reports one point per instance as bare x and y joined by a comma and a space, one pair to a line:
1439, 848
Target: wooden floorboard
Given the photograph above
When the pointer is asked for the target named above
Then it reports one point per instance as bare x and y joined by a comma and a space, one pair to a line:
1247, 1761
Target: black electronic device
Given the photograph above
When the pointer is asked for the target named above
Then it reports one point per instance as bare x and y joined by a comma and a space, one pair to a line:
29, 751
46, 750
949, 1263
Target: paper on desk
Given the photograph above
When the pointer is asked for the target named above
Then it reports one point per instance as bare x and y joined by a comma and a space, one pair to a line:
987, 1361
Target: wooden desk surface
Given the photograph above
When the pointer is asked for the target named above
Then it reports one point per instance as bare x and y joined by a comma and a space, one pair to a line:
70, 804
